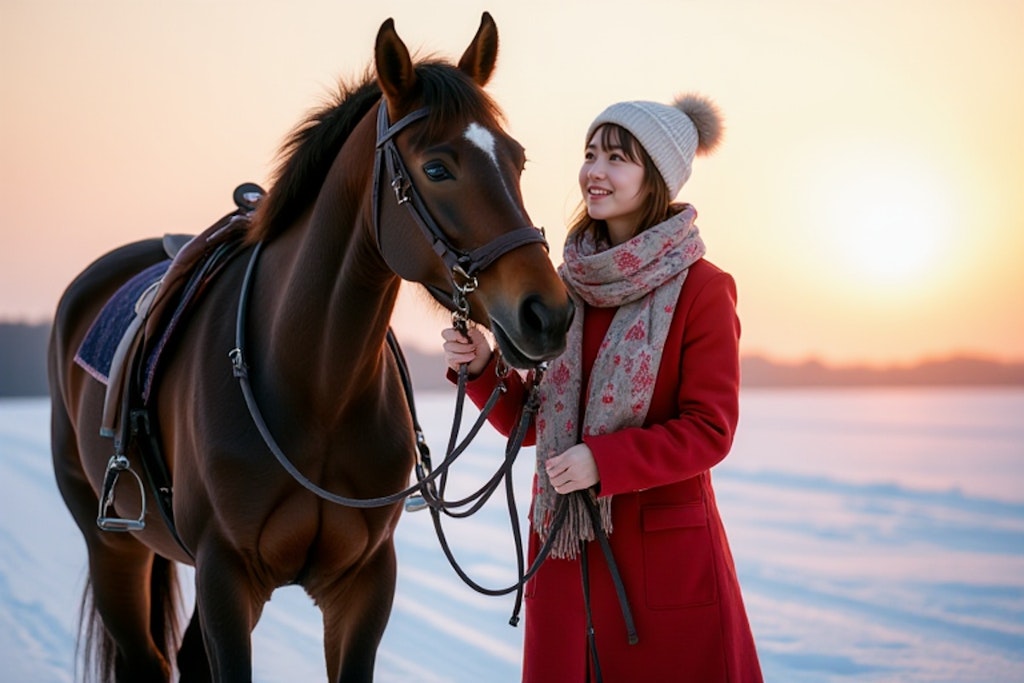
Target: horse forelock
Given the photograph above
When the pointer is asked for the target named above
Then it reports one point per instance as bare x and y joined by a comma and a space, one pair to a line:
454, 99
309, 151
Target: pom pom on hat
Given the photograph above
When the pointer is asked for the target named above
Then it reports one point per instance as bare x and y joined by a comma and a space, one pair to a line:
706, 119
671, 134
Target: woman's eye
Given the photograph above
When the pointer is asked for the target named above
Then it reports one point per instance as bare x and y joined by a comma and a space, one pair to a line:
437, 172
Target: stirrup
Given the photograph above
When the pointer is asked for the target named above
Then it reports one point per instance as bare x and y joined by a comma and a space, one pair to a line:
415, 503
115, 467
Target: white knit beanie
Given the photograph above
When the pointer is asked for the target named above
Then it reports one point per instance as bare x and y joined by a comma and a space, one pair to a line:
670, 134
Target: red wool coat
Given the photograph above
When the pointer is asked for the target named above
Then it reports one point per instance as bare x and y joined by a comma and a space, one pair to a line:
668, 539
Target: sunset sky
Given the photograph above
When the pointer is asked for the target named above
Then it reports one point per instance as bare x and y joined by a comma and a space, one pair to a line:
866, 196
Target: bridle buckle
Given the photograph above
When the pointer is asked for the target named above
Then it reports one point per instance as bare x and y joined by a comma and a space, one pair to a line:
400, 188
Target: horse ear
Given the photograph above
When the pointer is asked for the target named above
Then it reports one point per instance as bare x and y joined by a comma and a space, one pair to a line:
480, 57
395, 73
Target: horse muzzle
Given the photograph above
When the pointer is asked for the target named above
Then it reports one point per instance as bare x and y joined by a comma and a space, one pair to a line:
537, 332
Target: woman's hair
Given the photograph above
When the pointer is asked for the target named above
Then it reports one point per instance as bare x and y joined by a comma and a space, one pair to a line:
658, 205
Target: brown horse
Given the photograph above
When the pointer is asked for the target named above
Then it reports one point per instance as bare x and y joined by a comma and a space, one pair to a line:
333, 254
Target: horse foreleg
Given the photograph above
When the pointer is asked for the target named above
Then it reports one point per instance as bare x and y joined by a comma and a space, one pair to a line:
193, 664
229, 605
356, 609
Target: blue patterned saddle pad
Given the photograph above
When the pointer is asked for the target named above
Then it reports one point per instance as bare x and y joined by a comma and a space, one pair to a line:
96, 352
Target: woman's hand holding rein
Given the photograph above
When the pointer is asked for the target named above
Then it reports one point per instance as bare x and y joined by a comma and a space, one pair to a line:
469, 347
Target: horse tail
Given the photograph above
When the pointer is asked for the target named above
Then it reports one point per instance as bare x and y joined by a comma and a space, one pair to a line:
97, 649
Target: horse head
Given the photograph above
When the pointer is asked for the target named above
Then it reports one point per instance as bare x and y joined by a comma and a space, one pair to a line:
449, 211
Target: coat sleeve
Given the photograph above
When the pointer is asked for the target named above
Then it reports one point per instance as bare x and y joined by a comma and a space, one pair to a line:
696, 432
506, 413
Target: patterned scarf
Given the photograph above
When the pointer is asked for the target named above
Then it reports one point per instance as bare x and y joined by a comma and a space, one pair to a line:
643, 278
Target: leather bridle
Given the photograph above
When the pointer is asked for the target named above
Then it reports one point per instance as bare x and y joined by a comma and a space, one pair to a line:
463, 266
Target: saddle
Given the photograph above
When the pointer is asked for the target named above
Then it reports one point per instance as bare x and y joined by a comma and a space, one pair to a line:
158, 299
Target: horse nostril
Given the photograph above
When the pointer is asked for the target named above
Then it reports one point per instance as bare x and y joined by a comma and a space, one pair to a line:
537, 317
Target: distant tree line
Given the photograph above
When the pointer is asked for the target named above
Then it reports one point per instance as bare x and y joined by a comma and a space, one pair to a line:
23, 369
956, 371
23, 359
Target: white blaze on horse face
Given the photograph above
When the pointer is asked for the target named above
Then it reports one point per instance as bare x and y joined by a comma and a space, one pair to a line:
484, 139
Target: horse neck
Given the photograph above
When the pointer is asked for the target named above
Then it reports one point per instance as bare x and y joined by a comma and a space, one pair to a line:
337, 295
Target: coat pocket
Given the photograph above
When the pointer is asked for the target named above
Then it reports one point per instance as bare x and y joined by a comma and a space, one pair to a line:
679, 569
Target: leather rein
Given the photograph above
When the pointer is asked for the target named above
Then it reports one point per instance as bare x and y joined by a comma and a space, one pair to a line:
464, 266
429, 490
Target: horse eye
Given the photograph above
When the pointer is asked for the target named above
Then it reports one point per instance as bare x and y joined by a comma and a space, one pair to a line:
437, 172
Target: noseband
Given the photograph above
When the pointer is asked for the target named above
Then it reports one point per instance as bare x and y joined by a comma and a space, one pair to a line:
463, 266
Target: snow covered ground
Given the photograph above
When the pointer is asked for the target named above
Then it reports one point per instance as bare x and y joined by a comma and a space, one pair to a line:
878, 534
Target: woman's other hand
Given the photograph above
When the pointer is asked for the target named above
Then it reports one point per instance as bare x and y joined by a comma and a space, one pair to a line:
573, 470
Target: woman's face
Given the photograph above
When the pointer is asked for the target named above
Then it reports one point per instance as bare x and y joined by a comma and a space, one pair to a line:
612, 187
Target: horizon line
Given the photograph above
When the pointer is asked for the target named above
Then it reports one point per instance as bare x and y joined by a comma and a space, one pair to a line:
807, 359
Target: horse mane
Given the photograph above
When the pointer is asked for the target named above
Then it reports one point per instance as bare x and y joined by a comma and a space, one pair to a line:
309, 151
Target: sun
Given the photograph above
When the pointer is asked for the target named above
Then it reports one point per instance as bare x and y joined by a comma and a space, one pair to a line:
888, 222
901, 227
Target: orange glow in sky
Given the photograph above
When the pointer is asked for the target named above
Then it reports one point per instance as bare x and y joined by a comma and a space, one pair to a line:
864, 196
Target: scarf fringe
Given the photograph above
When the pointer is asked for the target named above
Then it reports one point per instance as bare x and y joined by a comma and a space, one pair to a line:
578, 526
